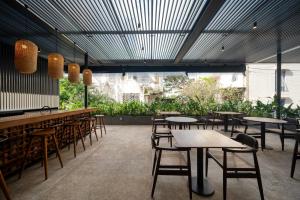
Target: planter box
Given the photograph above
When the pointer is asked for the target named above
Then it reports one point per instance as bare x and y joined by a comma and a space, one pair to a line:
128, 120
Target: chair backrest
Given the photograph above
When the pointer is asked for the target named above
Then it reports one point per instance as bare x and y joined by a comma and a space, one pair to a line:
247, 140
292, 124
153, 142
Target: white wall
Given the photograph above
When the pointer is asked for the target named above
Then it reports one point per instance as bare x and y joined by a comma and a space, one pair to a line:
261, 82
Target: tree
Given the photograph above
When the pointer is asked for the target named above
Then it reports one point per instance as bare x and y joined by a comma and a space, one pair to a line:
175, 82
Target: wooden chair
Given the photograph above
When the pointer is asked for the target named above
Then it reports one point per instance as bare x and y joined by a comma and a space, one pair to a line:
213, 119
239, 172
90, 127
296, 154
75, 131
100, 123
176, 170
44, 135
3, 185
288, 130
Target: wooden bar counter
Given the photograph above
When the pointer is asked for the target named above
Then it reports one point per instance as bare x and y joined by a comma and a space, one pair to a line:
17, 129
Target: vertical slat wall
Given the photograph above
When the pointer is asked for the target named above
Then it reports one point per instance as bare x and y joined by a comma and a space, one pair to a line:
25, 91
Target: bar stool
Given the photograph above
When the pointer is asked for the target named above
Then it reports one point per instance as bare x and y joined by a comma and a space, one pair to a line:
100, 119
3, 185
90, 127
44, 135
75, 130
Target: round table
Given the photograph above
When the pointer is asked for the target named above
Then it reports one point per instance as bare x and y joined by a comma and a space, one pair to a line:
169, 113
225, 114
181, 120
263, 121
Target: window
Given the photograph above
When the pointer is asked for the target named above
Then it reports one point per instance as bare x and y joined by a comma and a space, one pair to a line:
284, 87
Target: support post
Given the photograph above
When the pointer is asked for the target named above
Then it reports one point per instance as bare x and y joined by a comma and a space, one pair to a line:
278, 78
86, 62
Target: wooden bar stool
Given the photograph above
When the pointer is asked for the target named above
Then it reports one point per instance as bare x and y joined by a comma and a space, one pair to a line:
100, 123
75, 131
3, 185
90, 127
43, 135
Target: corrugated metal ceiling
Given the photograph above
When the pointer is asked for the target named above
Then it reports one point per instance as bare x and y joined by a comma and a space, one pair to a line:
175, 18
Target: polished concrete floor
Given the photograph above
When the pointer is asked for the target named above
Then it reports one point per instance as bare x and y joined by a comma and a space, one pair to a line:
119, 167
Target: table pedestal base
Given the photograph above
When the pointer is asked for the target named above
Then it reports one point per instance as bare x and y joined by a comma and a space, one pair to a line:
204, 190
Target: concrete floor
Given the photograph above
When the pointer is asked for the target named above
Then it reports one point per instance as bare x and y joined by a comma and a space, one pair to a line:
119, 167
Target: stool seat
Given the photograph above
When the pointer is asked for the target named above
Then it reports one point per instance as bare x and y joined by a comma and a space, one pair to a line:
44, 132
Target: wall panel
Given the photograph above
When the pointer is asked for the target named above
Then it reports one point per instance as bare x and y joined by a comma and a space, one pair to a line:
25, 91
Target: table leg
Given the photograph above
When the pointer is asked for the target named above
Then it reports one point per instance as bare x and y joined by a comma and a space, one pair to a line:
201, 185
180, 126
263, 135
225, 123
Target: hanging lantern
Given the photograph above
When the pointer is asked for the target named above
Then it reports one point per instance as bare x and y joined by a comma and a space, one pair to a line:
55, 65
73, 73
87, 77
26, 53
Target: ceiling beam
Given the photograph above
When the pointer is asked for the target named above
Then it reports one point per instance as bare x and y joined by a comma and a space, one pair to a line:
201, 68
209, 12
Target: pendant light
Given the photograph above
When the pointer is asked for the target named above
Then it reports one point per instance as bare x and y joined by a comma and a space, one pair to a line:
74, 70
55, 63
87, 77
26, 53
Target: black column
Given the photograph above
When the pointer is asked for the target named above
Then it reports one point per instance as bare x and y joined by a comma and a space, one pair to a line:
86, 62
278, 78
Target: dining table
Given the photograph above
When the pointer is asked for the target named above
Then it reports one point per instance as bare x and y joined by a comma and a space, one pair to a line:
263, 121
201, 139
226, 115
181, 120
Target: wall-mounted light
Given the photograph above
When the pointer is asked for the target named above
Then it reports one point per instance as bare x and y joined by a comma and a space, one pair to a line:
254, 25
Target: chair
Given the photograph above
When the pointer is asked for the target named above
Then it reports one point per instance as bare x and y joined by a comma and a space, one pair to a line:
288, 130
213, 119
75, 130
44, 135
239, 172
3, 185
200, 122
90, 127
296, 154
239, 125
176, 170
100, 123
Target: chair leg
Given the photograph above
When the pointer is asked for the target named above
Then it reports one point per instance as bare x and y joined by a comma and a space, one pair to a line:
190, 174
259, 182
74, 141
294, 159
103, 125
95, 130
81, 137
206, 163
45, 156
154, 162
57, 151
282, 138
156, 173
224, 175
4, 187
25, 157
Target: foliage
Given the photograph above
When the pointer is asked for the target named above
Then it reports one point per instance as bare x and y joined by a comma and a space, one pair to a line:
203, 89
232, 94
71, 97
175, 82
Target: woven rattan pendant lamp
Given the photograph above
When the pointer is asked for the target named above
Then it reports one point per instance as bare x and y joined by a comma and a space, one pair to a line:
87, 77
74, 70
55, 63
26, 53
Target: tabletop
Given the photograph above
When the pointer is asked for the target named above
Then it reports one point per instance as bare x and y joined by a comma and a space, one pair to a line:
169, 113
181, 119
228, 113
265, 120
203, 139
